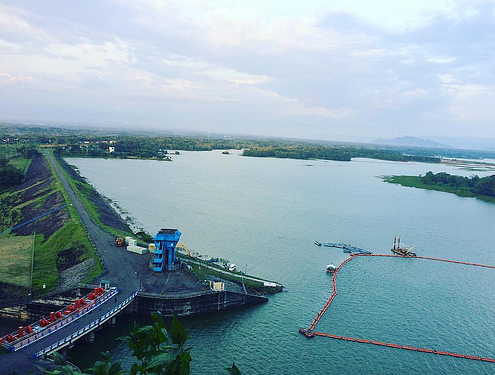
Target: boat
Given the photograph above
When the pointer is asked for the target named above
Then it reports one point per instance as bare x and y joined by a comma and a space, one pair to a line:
402, 249
317, 243
331, 268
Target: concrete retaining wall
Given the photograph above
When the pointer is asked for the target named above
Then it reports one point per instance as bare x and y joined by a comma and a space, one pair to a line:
193, 305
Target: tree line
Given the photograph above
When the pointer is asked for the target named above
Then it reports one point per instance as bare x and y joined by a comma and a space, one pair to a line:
121, 144
338, 153
466, 186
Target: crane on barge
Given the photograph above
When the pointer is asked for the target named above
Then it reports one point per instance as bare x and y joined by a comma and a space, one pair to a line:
403, 250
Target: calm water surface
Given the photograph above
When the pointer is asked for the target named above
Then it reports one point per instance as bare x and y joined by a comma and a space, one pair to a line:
264, 214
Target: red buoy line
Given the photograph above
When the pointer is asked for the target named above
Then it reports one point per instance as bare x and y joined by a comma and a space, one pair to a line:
405, 347
427, 258
310, 333
334, 293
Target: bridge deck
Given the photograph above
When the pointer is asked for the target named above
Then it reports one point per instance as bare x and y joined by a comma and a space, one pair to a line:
24, 360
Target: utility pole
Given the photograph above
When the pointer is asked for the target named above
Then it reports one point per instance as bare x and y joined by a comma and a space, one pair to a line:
32, 267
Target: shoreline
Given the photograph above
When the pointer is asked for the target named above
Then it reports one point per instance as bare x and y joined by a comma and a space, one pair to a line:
416, 182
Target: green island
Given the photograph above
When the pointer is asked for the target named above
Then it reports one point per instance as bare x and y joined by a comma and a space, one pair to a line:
337, 153
479, 187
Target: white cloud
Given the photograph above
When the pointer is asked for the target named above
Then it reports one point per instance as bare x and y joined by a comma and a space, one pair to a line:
92, 54
472, 104
275, 63
9, 48
9, 79
232, 76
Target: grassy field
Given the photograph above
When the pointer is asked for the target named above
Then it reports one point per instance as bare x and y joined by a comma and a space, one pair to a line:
416, 182
15, 260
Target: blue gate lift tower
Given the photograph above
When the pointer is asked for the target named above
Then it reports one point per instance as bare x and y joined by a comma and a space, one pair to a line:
165, 241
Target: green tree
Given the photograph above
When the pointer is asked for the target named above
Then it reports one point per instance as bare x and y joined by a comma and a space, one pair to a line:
155, 353
150, 346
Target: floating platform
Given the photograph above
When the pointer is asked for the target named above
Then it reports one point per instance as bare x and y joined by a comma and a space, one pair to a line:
348, 249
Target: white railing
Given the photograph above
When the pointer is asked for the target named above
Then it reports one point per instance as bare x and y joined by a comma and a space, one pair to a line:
88, 327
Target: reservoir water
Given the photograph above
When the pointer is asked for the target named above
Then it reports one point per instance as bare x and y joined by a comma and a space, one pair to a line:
264, 214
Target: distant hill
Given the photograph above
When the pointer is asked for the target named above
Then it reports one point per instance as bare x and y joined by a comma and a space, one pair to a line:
410, 141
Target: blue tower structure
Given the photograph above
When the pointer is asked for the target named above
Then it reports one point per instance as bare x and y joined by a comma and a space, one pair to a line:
165, 241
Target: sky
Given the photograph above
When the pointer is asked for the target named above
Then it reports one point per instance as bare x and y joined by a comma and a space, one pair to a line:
347, 70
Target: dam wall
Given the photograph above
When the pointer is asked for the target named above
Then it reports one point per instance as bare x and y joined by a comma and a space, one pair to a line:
187, 305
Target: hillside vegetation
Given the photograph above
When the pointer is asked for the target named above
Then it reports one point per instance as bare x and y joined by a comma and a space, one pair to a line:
60, 240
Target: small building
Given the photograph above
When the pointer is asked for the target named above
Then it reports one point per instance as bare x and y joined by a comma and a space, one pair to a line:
165, 242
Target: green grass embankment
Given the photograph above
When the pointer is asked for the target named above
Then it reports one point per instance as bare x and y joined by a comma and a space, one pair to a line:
417, 182
67, 246
60, 241
85, 191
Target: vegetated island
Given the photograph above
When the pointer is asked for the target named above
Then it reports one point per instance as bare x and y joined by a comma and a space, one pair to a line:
337, 153
475, 186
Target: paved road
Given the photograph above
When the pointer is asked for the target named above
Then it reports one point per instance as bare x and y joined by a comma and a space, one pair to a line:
119, 263
120, 272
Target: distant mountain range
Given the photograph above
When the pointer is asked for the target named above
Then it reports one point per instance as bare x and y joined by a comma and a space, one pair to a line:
410, 141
